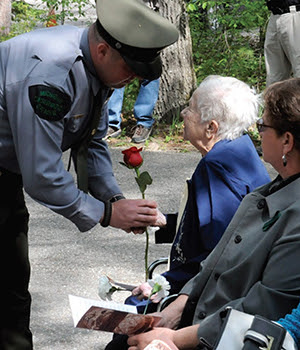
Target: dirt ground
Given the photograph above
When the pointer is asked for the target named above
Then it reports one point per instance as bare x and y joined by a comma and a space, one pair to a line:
163, 137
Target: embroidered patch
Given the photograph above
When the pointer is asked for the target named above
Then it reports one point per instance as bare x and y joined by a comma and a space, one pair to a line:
49, 103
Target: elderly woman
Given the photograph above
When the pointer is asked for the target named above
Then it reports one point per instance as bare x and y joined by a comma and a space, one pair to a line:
254, 268
219, 112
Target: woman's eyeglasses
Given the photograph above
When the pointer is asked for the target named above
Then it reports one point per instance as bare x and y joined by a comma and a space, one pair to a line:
261, 126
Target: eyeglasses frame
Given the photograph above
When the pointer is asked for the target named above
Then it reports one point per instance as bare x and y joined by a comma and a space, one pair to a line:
260, 125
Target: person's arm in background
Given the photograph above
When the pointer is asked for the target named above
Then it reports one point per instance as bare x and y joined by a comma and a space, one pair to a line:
291, 322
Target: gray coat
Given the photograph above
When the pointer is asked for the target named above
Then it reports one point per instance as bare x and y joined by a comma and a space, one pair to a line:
255, 266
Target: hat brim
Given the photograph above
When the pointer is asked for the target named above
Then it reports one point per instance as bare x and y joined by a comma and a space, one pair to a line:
147, 70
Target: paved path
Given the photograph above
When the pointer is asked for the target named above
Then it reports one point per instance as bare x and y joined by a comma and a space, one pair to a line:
65, 261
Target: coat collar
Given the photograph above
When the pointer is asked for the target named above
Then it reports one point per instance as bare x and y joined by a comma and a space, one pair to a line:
288, 192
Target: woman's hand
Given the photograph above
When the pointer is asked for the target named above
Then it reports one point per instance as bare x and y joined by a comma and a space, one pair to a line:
140, 341
161, 220
182, 339
143, 291
171, 315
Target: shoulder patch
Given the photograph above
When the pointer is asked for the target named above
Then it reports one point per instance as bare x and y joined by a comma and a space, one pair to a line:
48, 102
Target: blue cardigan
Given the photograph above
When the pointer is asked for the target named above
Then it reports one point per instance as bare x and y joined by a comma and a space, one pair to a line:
229, 171
291, 323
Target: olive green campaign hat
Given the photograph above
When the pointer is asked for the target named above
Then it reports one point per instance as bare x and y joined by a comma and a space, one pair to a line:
137, 33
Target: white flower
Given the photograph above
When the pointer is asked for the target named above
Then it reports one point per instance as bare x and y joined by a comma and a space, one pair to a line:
160, 286
152, 229
105, 288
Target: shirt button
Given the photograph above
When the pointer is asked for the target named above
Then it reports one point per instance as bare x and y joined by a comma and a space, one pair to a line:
202, 315
261, 204
237, 239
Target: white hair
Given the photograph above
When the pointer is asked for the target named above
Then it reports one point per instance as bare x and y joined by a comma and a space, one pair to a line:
229, 101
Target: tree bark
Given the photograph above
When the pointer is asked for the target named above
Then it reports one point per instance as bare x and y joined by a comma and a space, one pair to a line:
5, 16
178, 80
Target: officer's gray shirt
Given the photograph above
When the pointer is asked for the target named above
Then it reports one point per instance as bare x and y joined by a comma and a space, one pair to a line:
255, 267
33, 146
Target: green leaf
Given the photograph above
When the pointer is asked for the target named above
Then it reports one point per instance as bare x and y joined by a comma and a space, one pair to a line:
143, 180
127, 166
156, 288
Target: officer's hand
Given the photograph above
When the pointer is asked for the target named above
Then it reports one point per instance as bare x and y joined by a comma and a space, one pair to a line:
128, 213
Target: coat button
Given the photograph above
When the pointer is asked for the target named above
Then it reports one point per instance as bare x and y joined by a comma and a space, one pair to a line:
202, 315
261, 204
237, 239
216, 276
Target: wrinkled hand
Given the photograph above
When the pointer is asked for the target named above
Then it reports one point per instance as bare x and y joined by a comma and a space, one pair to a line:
161, 219
140, 341
160, 344
171, 315
128, 213
143, 291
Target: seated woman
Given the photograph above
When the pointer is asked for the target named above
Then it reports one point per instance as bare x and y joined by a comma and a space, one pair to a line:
254, 268
219, 113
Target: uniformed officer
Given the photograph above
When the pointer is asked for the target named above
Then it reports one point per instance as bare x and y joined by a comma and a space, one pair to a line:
53, 86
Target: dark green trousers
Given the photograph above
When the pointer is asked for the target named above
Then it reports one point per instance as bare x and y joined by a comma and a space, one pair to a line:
15, 299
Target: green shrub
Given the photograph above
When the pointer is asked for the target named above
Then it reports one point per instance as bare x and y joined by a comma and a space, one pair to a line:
228, 39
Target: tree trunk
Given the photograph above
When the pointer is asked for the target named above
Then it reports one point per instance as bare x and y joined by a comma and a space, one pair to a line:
5, 16
178, 80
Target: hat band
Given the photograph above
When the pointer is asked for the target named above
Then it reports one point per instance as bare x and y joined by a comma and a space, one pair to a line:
140, 54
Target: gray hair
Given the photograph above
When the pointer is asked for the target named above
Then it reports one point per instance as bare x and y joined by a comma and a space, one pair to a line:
229, 101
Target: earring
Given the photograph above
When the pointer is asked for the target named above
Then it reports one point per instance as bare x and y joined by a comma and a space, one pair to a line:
284, 161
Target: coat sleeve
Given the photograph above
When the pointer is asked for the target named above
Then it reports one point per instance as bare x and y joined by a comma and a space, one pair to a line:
38, 149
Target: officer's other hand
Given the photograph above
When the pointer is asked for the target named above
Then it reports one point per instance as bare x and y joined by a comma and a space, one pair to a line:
138, 213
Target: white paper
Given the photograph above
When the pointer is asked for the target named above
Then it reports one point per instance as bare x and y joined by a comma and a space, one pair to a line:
79, 306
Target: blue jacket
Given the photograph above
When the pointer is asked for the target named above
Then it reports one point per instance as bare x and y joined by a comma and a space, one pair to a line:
221, 180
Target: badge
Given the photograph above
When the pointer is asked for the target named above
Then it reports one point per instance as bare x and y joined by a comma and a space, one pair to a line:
48, 102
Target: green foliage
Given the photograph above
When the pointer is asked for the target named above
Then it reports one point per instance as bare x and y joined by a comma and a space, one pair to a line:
143, 180
66, 9
228, 39
130, 95
24, 19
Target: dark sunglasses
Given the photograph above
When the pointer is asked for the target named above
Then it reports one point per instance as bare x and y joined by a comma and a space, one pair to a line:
261, 126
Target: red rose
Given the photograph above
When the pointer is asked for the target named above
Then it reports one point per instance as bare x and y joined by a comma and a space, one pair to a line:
132, 157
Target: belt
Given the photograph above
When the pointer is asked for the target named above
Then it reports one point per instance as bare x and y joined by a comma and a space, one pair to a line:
281, 11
